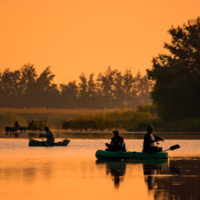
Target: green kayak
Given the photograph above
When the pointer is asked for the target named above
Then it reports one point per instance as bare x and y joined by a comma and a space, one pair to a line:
36, 143
100, 154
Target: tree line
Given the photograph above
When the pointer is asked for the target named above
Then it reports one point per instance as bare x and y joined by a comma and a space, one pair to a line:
177, 75
25, 88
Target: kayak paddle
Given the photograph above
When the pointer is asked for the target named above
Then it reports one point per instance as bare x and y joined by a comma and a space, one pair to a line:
173, 147
45, 141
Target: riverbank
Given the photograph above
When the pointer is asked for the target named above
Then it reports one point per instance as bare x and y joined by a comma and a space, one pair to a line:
92, 120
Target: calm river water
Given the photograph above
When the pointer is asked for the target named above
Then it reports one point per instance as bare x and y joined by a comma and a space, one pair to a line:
72, 172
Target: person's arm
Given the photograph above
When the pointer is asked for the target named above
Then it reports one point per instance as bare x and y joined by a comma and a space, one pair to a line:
158, 138
111, 143
45, 135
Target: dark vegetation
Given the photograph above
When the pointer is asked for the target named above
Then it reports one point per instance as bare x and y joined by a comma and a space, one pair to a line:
83, 119
174, 85
177, 75
105, 119
132, 120
10, 117
176, 93
24, 88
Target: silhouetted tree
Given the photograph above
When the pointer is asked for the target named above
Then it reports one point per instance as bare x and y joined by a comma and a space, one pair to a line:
93, 96
47, 93
105, 84
83, 93
177, 75
144, 88
28, 85
24, 88
128, 81
9, 88
118, 92
69, 95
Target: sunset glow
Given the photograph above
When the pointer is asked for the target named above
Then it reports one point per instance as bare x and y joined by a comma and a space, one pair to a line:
87, 36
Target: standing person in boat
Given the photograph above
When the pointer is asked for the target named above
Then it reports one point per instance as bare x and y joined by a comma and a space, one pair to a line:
16, 125
149, 141
117, 142
49, 135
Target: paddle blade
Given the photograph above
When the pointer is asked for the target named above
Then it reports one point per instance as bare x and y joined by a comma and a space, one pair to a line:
44, 141
174, 147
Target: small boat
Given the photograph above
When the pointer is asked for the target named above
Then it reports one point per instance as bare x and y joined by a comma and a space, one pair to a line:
100, 154
36, 143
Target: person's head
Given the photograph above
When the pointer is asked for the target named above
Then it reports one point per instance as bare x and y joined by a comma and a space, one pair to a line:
150, 129
46, 128
116, 133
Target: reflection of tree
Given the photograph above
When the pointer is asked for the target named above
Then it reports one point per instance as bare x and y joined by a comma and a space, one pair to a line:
27, 173
116, 169
183, 182
180, 181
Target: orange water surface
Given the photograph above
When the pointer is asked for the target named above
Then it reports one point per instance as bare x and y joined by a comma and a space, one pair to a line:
73, 172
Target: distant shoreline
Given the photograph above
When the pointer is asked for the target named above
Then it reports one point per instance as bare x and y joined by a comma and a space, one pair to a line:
102, 135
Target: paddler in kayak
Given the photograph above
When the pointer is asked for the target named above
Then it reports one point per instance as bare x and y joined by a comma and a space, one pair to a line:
149, 141
117, 143
49, 135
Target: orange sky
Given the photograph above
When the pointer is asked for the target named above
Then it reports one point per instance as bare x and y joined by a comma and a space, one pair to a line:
75, 36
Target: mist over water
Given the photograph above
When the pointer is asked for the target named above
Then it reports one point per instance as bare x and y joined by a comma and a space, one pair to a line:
74, 172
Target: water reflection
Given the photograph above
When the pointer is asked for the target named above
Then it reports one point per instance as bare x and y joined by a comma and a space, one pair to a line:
74, 173
25, 173
181, 181
166, 179
152, 170
13, 134
116, 170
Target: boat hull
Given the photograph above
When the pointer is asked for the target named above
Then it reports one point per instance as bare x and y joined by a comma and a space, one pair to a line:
35, 143
100, 154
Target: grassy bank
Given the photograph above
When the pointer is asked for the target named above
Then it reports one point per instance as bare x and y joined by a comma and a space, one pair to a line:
8, 119
51, 117
103, 119
132, 120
